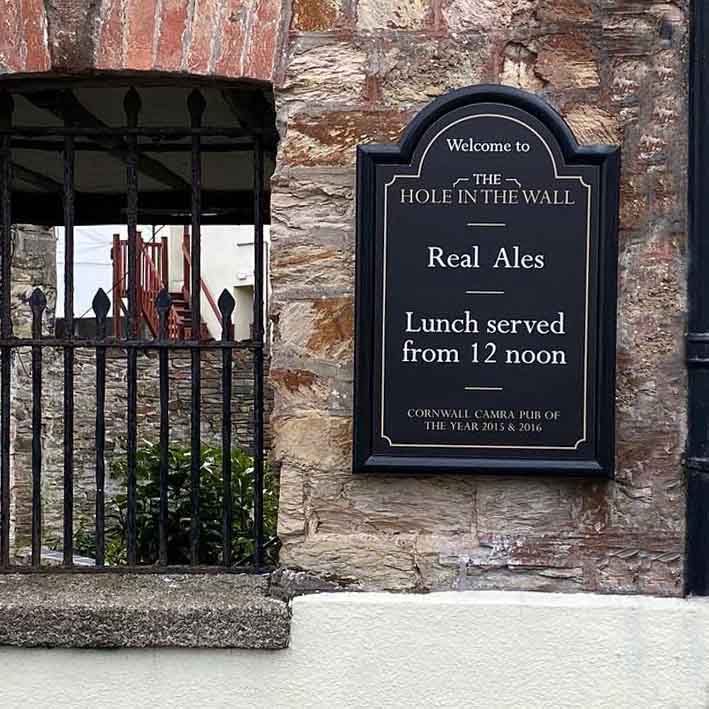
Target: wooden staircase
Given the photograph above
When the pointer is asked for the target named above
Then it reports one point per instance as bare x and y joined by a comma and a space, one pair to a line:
183, 314
152, 276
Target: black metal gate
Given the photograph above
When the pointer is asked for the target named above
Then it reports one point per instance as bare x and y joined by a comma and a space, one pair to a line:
129, 143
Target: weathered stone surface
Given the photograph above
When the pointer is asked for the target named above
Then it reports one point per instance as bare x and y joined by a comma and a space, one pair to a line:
514, 507
393, 14
312, 213
286, 584
302, 390
616, 71
568, 61
114, 610
311, 73
564, 12
317, 15
592, 124
169, 41
356, 71
487, 15
207, 18
416, 69
261, 30
346, 559
291, 502
332, 139
325, 440
116, 426
418, 505
320, 329
519, 67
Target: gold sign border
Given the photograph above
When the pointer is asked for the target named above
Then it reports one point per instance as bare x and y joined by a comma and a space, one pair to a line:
588, 274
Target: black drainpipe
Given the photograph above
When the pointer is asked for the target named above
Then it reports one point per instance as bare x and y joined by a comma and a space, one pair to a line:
697, 461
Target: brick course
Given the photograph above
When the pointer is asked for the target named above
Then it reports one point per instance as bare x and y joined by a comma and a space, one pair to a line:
227, 38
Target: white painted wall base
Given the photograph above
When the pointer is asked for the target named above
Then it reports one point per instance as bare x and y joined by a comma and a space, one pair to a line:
483, 650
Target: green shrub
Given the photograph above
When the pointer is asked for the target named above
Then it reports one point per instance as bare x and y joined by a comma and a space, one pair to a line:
180, 508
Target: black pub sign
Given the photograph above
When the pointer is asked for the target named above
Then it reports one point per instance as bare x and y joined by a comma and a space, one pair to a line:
486, 293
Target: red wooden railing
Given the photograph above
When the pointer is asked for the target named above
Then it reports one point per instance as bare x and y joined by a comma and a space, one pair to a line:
152, 275
186, 278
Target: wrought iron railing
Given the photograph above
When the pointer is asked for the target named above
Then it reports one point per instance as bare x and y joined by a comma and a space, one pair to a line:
125, 143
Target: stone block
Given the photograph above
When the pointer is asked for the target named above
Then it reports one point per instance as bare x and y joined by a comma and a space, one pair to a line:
332, 138
634, 569
141, 17
564, 12
652, 305
515, 506
477, 15
314, 440
568, 61
441, 558
416, 69
592, 124
300, 390
319, 329
365, 561
291, 502
262, 32
145, 610
208, 19
423, 505
409, 15
318, 15
323, 71
110, 47
519, 67
312, 234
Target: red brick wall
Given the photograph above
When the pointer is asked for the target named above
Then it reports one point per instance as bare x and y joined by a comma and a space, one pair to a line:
23, 42
226, 38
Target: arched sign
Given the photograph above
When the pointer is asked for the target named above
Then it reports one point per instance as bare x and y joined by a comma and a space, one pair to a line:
486, 288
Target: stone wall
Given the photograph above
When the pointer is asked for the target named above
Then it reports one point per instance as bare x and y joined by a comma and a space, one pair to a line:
116, 425
351, 71
356, 71
34, 266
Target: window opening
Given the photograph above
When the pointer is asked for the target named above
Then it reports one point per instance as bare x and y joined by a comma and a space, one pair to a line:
158, 199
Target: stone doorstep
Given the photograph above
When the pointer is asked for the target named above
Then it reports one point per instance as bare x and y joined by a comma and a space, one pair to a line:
116, 610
